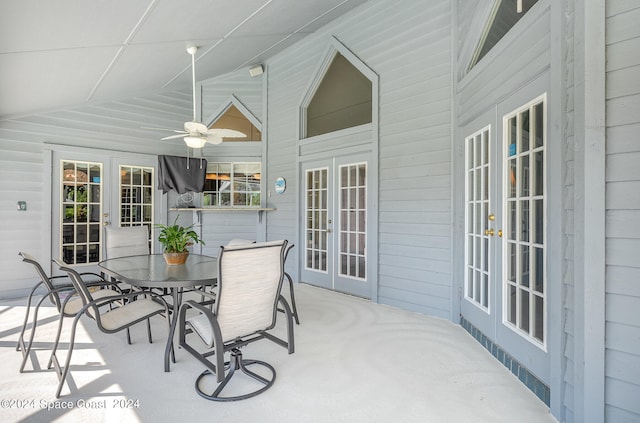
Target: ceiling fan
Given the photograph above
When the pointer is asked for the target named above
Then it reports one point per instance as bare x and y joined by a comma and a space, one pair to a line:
196, 134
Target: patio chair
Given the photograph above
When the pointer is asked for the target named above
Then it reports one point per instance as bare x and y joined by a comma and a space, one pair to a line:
121, 315
239, 241
126, 241
248, 292
56, 290
288, 276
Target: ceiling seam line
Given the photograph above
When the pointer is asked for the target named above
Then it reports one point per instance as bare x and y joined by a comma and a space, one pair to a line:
224, 37
133, 32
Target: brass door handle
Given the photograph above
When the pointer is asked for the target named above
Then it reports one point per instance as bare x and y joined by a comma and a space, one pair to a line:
500, 233
489, 232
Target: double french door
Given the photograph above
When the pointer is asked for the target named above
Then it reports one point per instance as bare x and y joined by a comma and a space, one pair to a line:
93, 191
505, 221
334, 227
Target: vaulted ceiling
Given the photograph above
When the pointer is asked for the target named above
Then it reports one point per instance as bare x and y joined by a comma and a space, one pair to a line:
63, 53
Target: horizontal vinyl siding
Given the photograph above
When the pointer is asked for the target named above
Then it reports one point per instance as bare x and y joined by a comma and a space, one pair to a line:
216, 92
622, 383
507, 67
408, 46
114, 126
568, 357
415, 163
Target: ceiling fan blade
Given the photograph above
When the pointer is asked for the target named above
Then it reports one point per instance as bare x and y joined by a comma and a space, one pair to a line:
214, 139
170, 137
226, 133
194, 126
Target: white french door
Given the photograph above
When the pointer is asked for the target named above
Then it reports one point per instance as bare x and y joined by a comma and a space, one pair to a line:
505, 223
335, 225
91, 191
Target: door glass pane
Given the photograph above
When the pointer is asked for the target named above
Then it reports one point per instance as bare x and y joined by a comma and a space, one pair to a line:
352, 192
80, 185
525, 214
524, 131
316, 224
524, 310
477, 197
136, 199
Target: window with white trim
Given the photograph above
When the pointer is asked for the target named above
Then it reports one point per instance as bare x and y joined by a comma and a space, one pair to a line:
232, 185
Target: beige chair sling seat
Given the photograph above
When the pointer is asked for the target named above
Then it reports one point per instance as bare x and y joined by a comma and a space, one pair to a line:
247, 298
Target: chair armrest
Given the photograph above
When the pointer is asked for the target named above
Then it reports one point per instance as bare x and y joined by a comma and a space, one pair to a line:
106, 300
211, 317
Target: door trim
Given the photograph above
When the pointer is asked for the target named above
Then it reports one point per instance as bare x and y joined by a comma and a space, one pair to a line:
49, 151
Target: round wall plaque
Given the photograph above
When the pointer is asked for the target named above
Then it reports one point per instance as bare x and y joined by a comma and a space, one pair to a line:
280, 185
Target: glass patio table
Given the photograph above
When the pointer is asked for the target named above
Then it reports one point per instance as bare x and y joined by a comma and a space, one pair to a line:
151, 271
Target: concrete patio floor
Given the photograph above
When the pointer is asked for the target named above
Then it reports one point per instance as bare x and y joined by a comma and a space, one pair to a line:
354, 362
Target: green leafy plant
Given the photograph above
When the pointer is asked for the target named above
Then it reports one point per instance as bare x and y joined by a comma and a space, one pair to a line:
175, 238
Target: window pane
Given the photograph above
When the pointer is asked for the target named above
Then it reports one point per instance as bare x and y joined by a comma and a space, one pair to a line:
538, 268
342, 99
524, 176
524, 265
524, 131
539, 124
538, 181
511, 304
538, 313
524, 310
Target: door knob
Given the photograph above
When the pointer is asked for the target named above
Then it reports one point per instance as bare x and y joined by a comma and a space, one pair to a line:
328, 230
500, 233
489, 232
492, 217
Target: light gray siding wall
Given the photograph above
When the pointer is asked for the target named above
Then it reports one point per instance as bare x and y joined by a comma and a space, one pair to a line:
568, 264
622, 362
218, 227
217, 91
114, 125
409, 48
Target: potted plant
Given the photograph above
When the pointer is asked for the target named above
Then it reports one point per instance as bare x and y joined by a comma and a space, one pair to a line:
175, 239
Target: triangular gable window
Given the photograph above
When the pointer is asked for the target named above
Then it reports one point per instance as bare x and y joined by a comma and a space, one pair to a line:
343, 99
236, 116
504, 15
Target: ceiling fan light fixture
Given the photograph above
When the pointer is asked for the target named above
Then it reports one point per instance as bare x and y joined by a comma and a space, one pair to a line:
195, 142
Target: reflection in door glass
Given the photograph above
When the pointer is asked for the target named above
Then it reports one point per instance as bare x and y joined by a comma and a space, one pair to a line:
316, 224
524, 144
353, 196
477, 206
81, 208
136, 197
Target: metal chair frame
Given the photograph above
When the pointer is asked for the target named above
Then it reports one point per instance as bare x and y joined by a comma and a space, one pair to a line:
53, 294
218, 348
91, 308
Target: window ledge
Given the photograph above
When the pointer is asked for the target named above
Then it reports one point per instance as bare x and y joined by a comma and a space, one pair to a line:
214, 209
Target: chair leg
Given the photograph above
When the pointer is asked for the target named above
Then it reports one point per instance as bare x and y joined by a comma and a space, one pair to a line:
62, 372
26, 318
128, 337
149, 330
293, 299
56, 342
236, 362
26, 350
